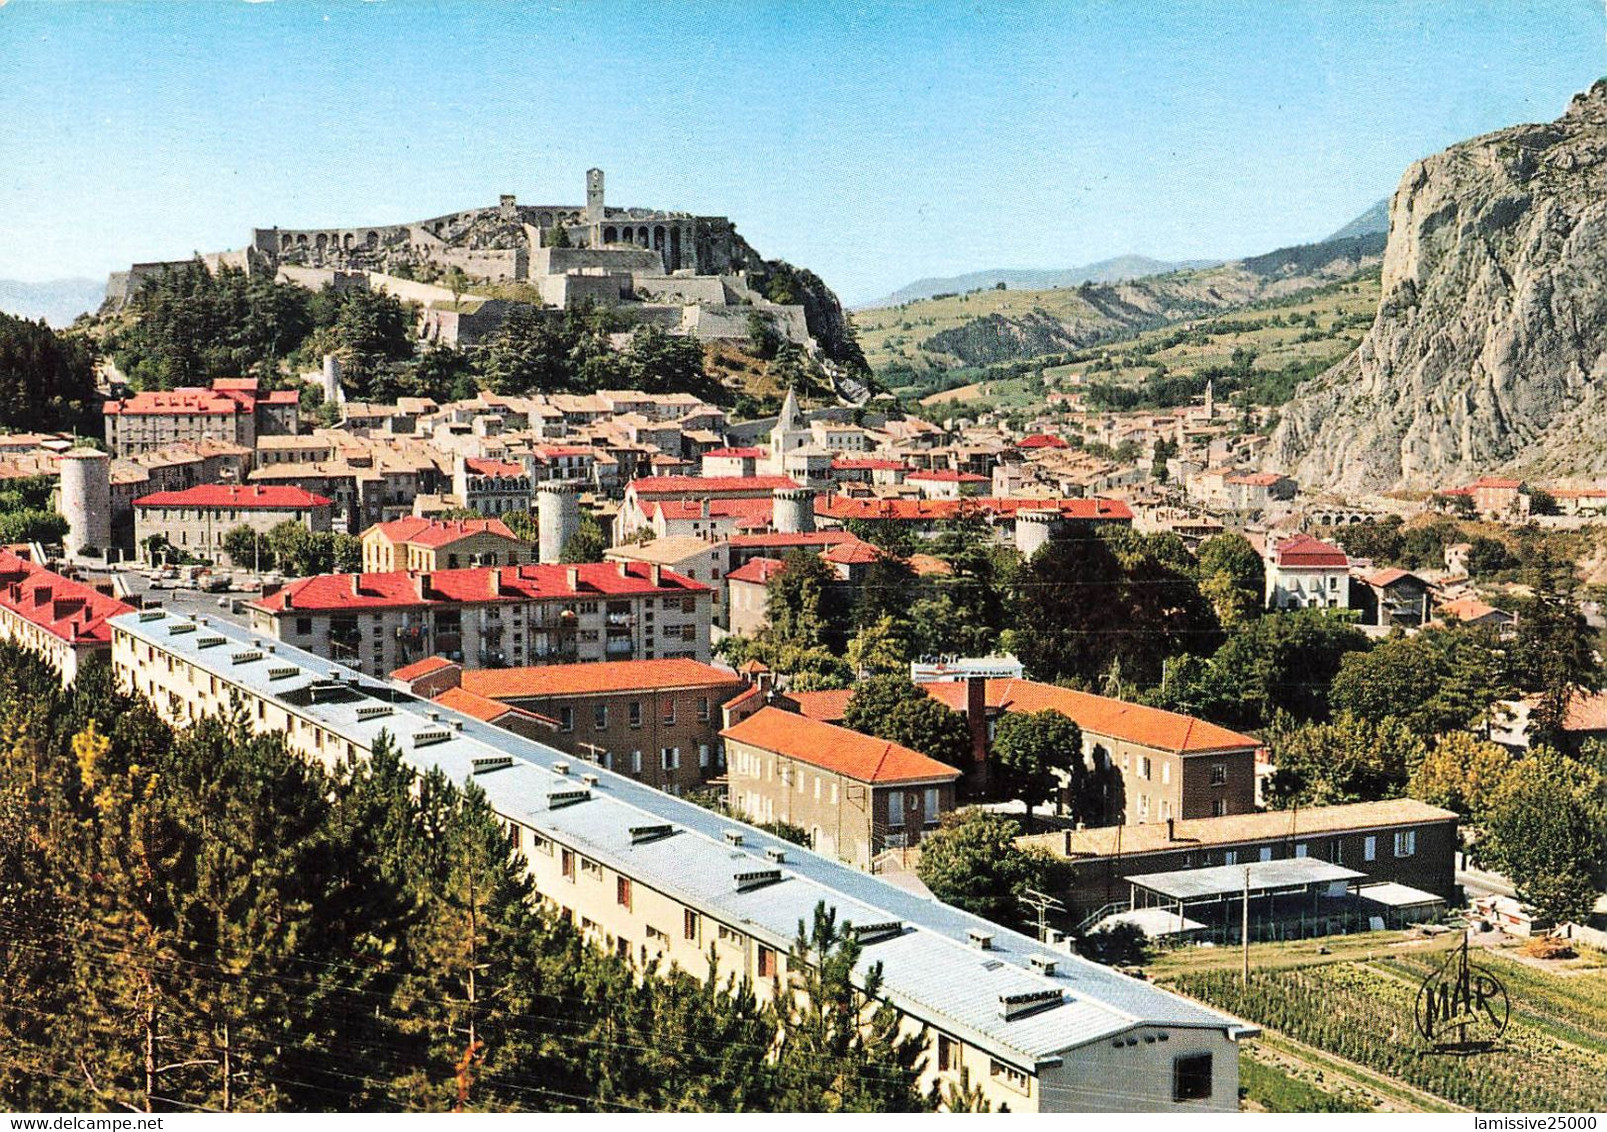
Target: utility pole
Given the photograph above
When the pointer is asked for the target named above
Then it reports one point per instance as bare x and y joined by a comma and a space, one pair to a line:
1244, 928
1042, 902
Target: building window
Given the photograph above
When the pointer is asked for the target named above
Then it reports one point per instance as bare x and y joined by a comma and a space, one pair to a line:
948, 1054
566, 864
599, 717
930, 808
1219, 774
1230, 857
689, 604
1266, 852
669, 712
1300, 849
636, 713
895, 809
591, 868
1369, 849
1008, 1076
728, 935
1219, 807
566, 719
1406, 843
689, 924
702, 706
1166, 773
703, 756
1143, 766
622, 892
636, 762
303, 626
767, 962
669, 758
1191, 1077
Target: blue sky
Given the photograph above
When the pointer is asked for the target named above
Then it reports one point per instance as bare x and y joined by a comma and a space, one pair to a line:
875, 143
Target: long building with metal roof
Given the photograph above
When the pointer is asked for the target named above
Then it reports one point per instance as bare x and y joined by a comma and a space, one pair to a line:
650, 876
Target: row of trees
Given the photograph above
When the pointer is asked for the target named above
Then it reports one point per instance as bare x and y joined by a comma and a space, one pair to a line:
293, 550
201, 920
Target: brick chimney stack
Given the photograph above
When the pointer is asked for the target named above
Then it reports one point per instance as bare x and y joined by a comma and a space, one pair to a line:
976, 717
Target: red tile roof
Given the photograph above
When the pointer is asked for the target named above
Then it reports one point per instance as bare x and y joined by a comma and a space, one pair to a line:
761, 508
867, 464
757, 570
1387, 577
1303, 550
401, 589
590, 679
439, 532
1102, 715
1496, 482
500, 468
1042, 440
177, 402
852, 554
410, 672
842, 507
485, 709
1256, 479
803, 538
709, 485
1470, 609
837, 749
946, 475
62, 607
736, 453
825, 707
278, 498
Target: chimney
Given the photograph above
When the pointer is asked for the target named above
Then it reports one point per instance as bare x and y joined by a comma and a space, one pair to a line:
424, 585
624, 568
655, 572
573, 577
1170, 826
976, 717
493, 579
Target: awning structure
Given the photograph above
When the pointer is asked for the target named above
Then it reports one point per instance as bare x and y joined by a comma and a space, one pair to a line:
1267, 878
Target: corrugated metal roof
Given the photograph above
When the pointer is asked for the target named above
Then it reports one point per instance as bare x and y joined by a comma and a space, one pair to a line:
930, 970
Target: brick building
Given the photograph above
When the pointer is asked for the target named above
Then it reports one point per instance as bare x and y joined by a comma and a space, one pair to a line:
657, 721
195, 521
442, 544
1166, 765
230, 410
856, 795
492, 616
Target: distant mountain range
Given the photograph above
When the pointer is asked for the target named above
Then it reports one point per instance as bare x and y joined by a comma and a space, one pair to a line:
1375, 221
57, 301
1117, 270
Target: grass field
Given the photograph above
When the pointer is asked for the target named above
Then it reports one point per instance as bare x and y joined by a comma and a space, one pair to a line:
1340, 1030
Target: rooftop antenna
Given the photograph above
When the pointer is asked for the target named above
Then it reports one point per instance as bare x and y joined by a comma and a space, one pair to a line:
1042, 902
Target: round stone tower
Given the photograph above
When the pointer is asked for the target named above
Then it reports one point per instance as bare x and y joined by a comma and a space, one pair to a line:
557, 518
86, 500
793, 510
1034, 529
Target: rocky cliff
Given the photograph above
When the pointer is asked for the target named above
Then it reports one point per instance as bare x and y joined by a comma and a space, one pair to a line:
1489, 349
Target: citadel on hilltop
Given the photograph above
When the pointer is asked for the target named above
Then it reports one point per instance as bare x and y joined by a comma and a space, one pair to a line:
685, 273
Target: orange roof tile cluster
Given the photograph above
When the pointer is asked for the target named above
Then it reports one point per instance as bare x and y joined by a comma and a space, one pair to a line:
825, 707
760, 509
708, 486
1256, 479
228, 396
440, 532
63, 607
867, 464
802, 538
1303, 550
852, 554
837, 749
1387, 577
1469, 609
405, 589
757, 570
1042, 440
410, 672
501, 469
596, 677
946, 475
484, 708
735, 453
276, 498
842, 507
1101, 715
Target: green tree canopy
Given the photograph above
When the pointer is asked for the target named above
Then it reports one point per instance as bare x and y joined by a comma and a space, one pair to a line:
1545, 829
1038, 751
973, 862
1344, 760
1232, 578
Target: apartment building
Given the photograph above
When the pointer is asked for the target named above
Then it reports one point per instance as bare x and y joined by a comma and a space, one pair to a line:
196, 520
60, 618
1167, 765
442, 544
657, 721
1305, 572
654, 878
1400, 841
693, 500
230, 410
492, 616
856, 794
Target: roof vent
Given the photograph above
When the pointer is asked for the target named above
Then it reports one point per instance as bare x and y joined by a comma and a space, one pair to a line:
178, 627
979, 939
1028, 1002
245, 656
733, 837
641, 834
431, 736
152, 614
870, 933
273, 648
202, 621
560, 767
435, 716
207, 642
557, 799
373, 711
282, 671
457, 725
590, 779
776, 853
487, 763
755, 878
1043, 964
